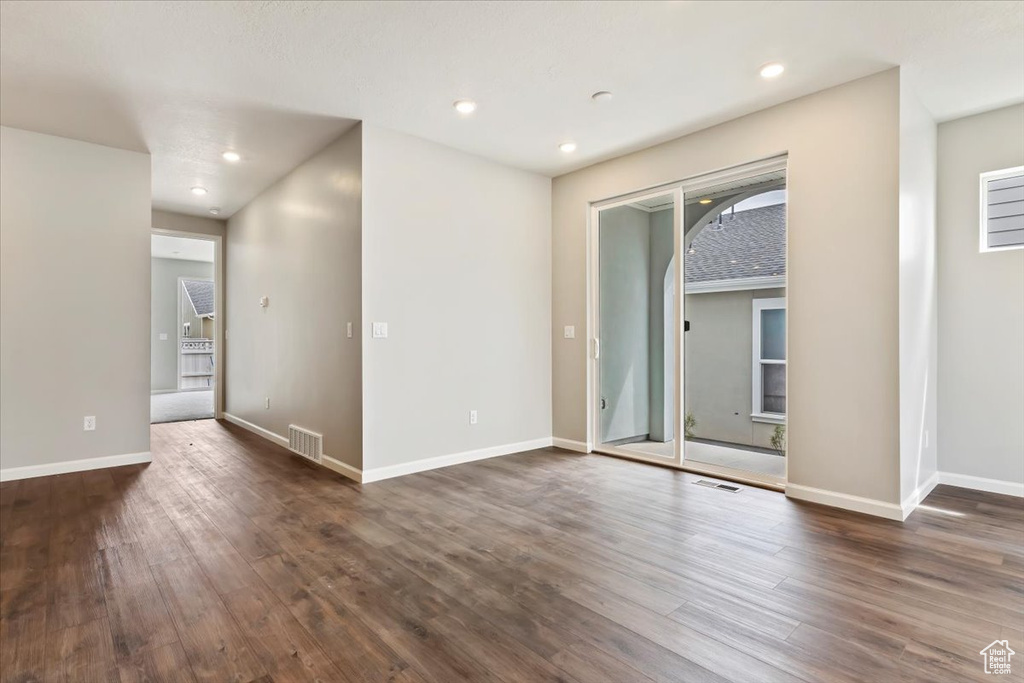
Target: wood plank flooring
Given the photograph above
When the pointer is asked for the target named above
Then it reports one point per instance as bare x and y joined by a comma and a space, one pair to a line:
227, 559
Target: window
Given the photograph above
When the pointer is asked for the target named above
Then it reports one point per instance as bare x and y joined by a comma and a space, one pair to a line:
769, 369
1002, 209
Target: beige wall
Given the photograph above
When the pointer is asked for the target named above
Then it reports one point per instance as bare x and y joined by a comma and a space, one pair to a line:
298, 243
843, 380
457, 261
981, 309
167, 220
74, 300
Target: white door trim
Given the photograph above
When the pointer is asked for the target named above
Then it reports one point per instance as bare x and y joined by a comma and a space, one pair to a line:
218, 319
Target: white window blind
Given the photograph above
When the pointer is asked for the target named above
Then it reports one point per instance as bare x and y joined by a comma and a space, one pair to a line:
1002, 209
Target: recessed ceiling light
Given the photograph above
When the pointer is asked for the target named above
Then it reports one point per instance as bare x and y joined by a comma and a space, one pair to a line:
464, 106
215, 210
705, 201
198, 190
772, 69
601, 96
567, 147
233, 157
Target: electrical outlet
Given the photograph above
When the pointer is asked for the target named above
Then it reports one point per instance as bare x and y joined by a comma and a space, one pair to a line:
380, 330
266, 403
89, 424
472, 417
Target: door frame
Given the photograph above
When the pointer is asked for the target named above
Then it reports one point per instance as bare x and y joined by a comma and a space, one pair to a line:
679, 190
594, 322
218, 318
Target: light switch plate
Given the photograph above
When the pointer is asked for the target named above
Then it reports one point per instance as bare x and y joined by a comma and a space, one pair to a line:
570, 331
163, 336
380, 330
348, 330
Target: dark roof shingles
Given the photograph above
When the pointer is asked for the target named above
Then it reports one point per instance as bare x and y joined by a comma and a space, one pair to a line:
201, 293
749, 243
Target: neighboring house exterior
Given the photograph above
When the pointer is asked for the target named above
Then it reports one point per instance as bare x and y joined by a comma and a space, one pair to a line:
197, 307
196, 363
735, 294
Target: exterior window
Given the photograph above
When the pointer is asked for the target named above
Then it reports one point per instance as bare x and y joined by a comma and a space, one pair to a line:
769, 369
1002, 209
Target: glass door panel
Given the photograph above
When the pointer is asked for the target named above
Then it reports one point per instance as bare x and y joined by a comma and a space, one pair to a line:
637, 317
734, 269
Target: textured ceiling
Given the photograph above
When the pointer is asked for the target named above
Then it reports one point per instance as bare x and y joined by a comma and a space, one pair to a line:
277, 80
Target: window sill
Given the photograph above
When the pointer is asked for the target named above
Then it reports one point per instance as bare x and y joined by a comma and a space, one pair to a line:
768, 418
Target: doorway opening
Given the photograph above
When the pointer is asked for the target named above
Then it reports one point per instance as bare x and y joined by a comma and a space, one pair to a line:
184, 352
698, 381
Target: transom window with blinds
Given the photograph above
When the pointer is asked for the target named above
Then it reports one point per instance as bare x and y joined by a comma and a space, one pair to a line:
1002, 209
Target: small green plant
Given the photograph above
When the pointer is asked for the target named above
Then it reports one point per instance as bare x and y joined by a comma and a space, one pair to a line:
689, 424
778, 440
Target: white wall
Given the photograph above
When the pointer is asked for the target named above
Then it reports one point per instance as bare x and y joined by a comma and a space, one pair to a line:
981, 312
843, 230
163, 353
457, 261
298, 243
74, 302
918, 306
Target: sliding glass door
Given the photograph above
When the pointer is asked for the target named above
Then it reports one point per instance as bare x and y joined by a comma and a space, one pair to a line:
689, 318
734, 271
637, 312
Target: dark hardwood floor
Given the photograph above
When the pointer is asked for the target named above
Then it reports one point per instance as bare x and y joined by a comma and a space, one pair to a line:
227, 559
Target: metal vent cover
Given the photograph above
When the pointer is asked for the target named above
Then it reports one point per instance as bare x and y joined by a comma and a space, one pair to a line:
309, 445
718, 485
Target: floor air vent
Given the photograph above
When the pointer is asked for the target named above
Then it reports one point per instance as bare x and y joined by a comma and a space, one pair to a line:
309, 445
718, 485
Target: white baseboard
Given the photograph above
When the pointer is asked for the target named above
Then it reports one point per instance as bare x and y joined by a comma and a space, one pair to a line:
911, 502
330, 463
256, 429
867, 506
13, 473
966, 481
344, 469
570, 445
391, 471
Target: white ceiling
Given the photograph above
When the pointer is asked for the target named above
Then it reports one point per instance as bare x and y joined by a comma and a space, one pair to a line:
277, 80
182, 248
